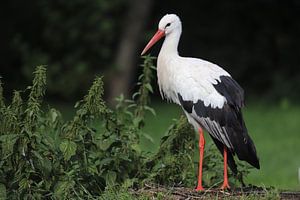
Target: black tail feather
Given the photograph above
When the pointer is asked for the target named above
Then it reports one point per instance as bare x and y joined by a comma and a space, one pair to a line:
243, 144
230, 159
247, 152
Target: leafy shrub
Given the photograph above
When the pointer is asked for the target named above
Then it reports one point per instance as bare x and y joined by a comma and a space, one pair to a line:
174, 162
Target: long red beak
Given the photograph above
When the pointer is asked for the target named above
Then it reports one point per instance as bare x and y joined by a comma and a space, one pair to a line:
158, 35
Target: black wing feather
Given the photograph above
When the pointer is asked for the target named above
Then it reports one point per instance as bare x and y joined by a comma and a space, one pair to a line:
231, 90
226, 121
236, 129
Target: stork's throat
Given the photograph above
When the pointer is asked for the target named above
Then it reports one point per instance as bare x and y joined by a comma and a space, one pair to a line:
170, 44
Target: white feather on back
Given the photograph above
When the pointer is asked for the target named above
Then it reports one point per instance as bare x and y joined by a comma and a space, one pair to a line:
191, 77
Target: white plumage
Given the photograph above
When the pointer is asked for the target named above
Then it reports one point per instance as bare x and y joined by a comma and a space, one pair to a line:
192, 78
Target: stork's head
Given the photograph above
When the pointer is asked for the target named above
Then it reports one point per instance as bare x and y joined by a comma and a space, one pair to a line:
168, 24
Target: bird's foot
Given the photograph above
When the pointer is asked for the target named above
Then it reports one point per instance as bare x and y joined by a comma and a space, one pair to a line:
199, 188
225, 186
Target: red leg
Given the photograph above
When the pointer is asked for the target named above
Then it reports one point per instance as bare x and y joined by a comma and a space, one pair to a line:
225, 183
201, 152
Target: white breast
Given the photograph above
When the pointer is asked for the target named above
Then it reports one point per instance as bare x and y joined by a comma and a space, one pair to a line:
167, 77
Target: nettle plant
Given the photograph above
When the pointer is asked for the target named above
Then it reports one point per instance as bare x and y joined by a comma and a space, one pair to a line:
43, 156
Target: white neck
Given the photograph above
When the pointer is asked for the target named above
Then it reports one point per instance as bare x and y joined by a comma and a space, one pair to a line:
170, 44
168, 52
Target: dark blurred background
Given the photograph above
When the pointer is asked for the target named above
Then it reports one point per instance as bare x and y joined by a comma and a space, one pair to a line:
257, 41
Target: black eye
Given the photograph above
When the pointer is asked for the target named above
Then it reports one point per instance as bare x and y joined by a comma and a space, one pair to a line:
168, 24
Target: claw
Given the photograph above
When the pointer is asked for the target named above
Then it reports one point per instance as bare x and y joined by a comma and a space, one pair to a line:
199, 189
225, 186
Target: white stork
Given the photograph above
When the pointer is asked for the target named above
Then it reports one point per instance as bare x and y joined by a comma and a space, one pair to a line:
209, 96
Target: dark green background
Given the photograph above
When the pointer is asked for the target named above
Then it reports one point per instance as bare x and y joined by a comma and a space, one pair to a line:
257, 41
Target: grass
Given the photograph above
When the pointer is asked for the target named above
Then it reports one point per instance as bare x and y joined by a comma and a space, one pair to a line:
274, 129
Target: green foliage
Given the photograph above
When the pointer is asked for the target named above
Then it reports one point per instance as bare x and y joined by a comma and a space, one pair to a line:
121, 193
43, 156
174, 162
136, 108
142, 95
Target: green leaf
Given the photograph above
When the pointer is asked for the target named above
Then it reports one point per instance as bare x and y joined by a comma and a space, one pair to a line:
24, 183
8, 142
128, 101
128, 183
128, 113
136, 147
111, 178
68, 148
92, 169
141, 76
148, 137
137, 121
150, 109
153, 67
106, 143
132, 106
77, 104
106, 161
54, 115
2, 191
135, 95
149, 87
121, 97
44, 163
62, 188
